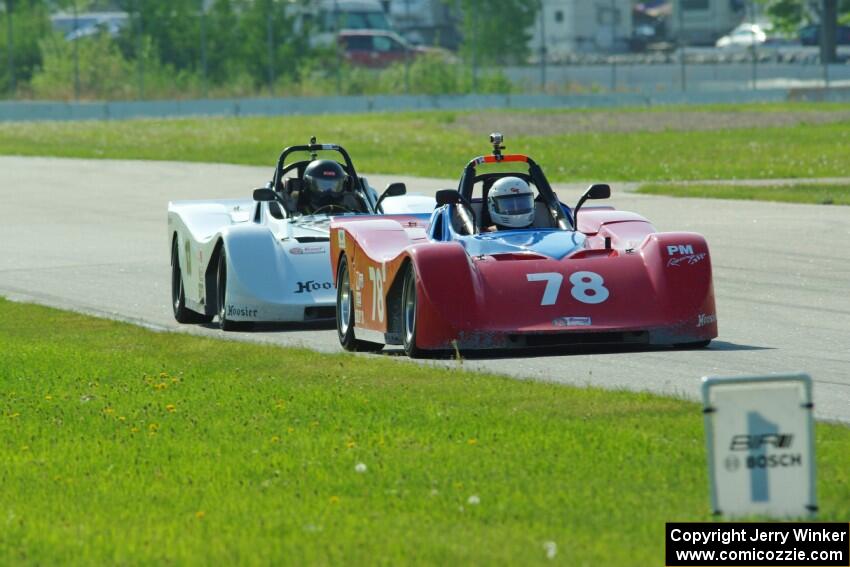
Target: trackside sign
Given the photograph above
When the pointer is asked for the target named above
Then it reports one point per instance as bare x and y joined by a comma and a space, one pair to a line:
760, 440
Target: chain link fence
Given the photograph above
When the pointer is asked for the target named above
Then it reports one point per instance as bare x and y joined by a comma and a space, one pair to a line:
154, 51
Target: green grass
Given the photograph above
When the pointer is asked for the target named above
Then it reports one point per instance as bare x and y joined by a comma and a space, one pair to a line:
124, 446
431, 144
814, 193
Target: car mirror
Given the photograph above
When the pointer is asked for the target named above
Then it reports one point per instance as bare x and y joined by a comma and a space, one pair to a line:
595, 191
599, 191
448, 197
392, 190
264, 194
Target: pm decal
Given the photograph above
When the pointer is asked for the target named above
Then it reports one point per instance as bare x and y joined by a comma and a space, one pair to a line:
680, 249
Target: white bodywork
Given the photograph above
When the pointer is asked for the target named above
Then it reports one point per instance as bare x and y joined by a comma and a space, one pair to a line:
277, 269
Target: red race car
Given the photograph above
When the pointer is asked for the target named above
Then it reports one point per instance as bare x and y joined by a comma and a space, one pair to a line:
502, 263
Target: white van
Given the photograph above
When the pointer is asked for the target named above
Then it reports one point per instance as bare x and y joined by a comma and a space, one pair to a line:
329, 17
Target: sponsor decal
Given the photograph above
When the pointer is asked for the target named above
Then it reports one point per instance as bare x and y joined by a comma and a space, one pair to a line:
310, 286
679, 249
329, 173
340, 238
687, 260
757, 445
703, 319
358, 299
360, 280
239, 311
572, 322
299, 250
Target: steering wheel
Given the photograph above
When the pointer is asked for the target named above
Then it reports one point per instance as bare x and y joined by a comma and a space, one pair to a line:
333, 206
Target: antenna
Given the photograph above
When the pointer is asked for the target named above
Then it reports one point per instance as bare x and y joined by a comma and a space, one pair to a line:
496, 139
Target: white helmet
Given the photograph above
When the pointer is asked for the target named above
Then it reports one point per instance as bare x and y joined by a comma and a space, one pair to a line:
511, 203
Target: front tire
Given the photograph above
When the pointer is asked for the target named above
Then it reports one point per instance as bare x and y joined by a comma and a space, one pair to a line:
178, 293
410, 313
224, 323
345, 313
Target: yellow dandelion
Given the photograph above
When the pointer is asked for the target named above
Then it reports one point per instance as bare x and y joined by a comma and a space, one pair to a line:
48, 397
108, 411
290, 429
134, 429
275, 439
334, 500
122, 418
280, 404
351, 444
200, 514
161, 386
163, 374
175, 380
153, 427
472, 442
171, 408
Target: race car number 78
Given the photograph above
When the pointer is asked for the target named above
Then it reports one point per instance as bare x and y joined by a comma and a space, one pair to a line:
588, 287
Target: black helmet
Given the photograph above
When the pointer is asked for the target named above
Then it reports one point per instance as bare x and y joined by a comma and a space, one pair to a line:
324, 178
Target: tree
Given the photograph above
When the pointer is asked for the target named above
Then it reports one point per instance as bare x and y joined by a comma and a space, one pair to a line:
497, 31
788, 15
29, 24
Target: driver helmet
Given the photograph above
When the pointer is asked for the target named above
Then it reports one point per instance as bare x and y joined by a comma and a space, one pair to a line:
511, 203
324, 181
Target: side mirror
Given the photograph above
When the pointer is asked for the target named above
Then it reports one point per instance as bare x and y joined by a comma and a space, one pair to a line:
264, 195
595, 191
599, 191
448, 197
392, 190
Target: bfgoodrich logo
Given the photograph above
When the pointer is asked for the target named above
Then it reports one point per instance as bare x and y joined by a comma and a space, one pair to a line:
311, 286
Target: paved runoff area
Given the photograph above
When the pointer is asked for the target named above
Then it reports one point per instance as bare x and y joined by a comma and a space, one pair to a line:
91, 236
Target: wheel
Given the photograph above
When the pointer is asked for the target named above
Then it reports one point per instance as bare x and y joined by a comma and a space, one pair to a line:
409, 314
224, 323
345, 313
178, 294
692, 346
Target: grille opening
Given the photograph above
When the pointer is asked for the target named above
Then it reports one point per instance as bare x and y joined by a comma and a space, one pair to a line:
567, 339
315, 313
310, 239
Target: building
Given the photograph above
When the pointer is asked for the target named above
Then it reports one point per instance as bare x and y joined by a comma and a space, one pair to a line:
565, 27
426, 22
702, 22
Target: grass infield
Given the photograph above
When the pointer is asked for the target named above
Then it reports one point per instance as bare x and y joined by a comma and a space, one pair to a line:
658, 144
811, 193
124, 446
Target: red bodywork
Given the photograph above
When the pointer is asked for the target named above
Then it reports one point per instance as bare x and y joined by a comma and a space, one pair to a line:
644, 287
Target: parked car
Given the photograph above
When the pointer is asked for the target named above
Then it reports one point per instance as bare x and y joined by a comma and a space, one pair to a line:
743, 36
810, 35
376, 48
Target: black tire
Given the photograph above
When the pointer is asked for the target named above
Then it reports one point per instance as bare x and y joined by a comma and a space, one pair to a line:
178, 293
409, 313
224, 323
692, 346
345, 313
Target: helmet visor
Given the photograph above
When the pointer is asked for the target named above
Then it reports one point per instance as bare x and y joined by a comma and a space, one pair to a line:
514, 204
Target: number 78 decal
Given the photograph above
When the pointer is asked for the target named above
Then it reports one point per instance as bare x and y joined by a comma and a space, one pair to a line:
588, 287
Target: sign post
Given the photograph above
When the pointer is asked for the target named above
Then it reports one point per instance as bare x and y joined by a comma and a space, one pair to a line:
760, 440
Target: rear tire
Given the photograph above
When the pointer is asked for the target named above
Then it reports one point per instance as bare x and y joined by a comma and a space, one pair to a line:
178, 293
409, 313
345, 313
224, 323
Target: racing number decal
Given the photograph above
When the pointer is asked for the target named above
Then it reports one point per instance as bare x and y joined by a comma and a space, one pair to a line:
377, 277
553, 286
588, 287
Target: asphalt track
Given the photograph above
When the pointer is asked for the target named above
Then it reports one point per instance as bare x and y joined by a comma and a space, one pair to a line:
91, 236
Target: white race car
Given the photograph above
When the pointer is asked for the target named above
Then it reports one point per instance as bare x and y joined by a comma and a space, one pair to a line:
266, 259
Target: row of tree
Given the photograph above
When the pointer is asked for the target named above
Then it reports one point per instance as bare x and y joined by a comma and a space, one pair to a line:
240, 46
